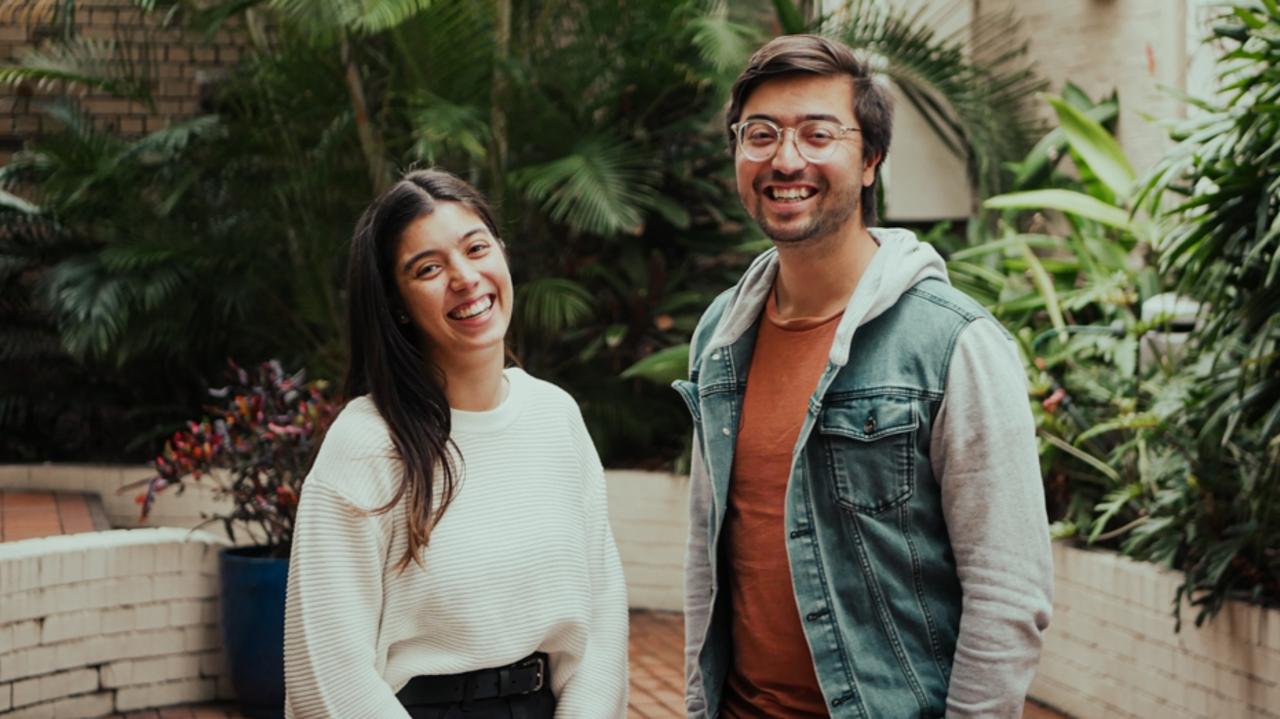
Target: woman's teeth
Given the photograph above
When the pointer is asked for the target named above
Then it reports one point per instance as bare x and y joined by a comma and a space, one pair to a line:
472, 309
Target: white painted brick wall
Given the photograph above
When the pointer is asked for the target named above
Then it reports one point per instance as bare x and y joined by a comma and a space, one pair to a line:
1111, 649
649, 515
98, 623
182, 691
84, 707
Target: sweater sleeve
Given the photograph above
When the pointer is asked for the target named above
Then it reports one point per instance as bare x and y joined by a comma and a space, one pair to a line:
984, 456
334, 606
598, 688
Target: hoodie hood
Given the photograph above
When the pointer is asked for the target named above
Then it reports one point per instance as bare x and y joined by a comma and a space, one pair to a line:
899, 264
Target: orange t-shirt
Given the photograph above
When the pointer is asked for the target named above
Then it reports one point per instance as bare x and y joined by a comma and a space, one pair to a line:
772, 674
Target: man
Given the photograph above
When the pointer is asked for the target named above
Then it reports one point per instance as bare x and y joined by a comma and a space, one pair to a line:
868, 532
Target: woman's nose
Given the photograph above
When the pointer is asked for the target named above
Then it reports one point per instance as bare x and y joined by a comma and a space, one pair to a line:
463, 277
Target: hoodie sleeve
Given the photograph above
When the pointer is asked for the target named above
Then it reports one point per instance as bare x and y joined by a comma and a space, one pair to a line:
984, 455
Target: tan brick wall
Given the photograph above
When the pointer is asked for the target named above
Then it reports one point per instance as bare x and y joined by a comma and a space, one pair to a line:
97, 623
1111, 650
179, 62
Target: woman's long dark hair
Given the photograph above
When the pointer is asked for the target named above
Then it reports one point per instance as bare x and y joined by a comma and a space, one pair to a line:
387, 359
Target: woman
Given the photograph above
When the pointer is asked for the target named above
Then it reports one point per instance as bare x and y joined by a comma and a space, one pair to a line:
452, 555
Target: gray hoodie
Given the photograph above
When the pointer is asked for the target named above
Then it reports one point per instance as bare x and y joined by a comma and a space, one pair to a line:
983, 454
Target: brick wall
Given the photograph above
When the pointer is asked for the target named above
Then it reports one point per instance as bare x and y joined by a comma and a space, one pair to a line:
650, 518
1111, 650
92, 624
181, 65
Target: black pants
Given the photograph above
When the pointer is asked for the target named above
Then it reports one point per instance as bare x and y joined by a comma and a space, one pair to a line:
538, 705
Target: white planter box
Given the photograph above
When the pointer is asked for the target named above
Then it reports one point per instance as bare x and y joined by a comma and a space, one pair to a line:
1111, 650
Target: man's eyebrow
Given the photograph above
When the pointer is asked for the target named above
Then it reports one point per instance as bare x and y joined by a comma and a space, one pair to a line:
409, 263
811, 116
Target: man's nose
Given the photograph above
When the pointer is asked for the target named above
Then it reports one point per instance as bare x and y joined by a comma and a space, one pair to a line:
788, 158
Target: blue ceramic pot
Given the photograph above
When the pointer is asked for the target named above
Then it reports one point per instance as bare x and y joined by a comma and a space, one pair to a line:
252, 607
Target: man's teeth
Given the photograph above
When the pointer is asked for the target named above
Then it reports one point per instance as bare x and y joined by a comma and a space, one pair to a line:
472, 309
792, 193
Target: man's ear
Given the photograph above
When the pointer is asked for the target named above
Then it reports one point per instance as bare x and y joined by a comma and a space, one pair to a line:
869, 169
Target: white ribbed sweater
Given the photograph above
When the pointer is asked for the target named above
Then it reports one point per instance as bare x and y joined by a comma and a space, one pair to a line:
522, 561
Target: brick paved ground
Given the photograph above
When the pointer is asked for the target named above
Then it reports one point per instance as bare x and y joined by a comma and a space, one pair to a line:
28, 515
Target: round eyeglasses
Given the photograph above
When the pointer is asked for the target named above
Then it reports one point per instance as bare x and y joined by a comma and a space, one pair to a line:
815, 140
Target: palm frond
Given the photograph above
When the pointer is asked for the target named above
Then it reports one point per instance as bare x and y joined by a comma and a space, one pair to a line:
547, 306
101, 64
980, 108
442, 127
723, 43
329, 18
602, 188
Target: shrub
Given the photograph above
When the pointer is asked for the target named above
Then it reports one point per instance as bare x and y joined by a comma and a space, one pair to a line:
256, 444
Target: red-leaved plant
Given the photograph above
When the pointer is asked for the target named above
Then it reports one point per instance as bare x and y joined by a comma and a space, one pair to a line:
261, 433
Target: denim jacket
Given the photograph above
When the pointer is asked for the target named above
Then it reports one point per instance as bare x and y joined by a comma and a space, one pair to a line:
872, 561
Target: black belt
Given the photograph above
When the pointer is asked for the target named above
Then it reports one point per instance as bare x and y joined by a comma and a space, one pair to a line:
526, 676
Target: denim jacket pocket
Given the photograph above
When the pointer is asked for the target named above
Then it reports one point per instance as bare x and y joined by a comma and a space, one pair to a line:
868, 442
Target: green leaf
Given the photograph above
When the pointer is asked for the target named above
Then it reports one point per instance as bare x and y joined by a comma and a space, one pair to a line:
1044, 283
1081, 455
1098, 148
550, 305
1067, 201
94, 63
13, 202
662, 367
614, 335
723, 43
790, 19
599, 189
1034, 170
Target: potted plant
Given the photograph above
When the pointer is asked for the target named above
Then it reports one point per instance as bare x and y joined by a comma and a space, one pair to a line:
256, 444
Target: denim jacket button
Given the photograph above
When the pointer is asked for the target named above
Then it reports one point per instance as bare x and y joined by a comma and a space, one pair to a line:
870, 425
715, 355
726, 431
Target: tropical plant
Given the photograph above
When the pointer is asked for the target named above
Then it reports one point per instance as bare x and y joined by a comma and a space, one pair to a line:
256, 445
1224, 247
1065, 274
1123, 445
606, 159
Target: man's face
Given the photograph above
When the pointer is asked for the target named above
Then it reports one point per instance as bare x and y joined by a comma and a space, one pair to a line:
794, 200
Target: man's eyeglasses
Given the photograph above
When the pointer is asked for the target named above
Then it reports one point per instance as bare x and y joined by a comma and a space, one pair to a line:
815, 140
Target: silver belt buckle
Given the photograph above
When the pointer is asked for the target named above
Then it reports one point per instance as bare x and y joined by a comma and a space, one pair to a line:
542, 673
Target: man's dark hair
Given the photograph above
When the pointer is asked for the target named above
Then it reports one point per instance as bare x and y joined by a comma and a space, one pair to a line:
817, 55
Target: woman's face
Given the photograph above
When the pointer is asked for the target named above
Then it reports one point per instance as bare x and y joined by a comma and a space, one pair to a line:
455, 283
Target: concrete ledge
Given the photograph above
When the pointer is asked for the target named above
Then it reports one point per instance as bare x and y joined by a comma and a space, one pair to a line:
104, 622
170, 509
1111, 649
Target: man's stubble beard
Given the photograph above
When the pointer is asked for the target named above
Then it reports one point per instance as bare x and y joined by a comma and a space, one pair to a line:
833, 213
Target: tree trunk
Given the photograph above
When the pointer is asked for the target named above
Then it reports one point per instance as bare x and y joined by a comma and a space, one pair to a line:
497, 100
370, 140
